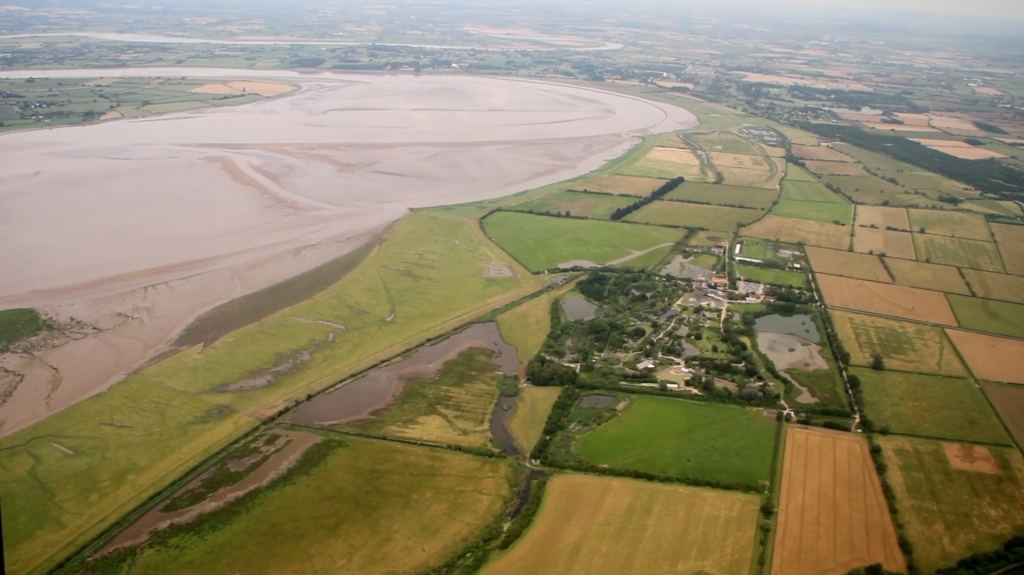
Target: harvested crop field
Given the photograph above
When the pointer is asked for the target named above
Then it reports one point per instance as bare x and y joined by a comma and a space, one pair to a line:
886, 299
681, 214
986, 355
433, 502
832, 514
793, 230
990, 316
1005, 287
809, 191
723, 195
848, 264
725, 142
954, 224
1008, 400
1011, 245
927, 276
930, 406
880, 241
905, 346
820, 211
687, 439
883, 217
835, 168
823, 153
667, 163
619, 184
541, 242
951, 513
615, 526
597, 206
965, 151
958, 252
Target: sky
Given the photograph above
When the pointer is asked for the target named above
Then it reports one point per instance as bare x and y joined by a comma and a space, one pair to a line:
981, 8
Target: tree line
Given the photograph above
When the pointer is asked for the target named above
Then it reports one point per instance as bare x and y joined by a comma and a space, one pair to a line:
655, 195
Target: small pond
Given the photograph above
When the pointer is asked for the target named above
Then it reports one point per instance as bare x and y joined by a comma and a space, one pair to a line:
801, 325
578, 308
597, 401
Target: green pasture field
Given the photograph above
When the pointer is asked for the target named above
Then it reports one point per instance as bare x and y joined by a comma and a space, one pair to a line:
597, 206
988, 315
1008, 400
1003, 207
681, 438
795, 173
813, 191
821, 211
334, 502
533, 404
955, 224
758, 248
952, 513
618, 526
823, 384
708, 238
647, 260
958, 252
723, 195
454, 407
541, 242
727, 142
930, 406
526, 326
718, 218
771, 276
168, 417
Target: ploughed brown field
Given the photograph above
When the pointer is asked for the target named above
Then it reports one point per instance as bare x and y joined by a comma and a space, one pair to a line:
832, 514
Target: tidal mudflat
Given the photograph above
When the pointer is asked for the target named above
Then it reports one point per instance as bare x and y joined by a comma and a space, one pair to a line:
137, 227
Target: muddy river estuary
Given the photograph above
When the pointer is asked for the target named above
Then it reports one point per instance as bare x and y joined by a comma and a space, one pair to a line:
137, 226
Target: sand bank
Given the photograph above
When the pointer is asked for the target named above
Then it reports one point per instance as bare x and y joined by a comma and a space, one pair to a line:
138, 226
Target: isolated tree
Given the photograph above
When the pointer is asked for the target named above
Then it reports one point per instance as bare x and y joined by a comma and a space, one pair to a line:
877, 361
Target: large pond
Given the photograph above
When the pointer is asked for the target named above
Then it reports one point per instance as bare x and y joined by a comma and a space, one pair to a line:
801, 325
578, 308
363, 397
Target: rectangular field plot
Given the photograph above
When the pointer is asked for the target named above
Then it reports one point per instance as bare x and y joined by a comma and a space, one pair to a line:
686, 439
625, 185
541, 242
723, 195
1011, 245
809, 191
614, 526
955, 224
820, 211
849, 264
1008, 400
718, 218
798, 174
824, 153
598, 206
725, 142
835, 168
883, 217
905, 346
955, 499
990, 316
432, 502
958, 252
888, 242
832, 514
667, 163
927, 276
793, 230
886, 299
986, 355
930, 406
771, 276
1004, 287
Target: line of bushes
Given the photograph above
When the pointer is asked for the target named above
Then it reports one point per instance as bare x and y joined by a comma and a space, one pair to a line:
655, 195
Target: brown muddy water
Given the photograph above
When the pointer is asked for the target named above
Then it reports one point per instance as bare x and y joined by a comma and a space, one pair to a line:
363, 397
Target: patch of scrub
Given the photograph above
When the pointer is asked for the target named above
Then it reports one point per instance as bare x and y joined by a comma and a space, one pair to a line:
578, 308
